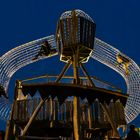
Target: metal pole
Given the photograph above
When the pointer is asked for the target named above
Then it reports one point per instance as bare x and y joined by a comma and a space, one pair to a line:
86, 74
32, 117
63, 71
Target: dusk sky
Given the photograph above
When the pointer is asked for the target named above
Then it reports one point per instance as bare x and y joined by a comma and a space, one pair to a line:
117, 23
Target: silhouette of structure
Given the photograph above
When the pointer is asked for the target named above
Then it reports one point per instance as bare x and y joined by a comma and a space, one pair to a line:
51, 114
91, 111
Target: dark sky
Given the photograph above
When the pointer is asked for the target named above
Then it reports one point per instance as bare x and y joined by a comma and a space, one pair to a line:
118, 23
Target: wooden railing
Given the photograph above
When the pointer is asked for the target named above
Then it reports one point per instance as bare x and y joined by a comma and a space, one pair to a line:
52, 110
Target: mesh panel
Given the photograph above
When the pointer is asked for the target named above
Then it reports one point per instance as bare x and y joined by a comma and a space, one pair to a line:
107, 55
103, 52
16, 59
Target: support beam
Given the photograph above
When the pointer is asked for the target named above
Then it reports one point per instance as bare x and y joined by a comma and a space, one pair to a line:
10, 122
115, 131
33, 117
63, 72
89, 116
76, 122
86, 74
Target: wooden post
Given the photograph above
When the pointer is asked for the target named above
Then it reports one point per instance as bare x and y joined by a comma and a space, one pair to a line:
115, 132
33, 117
86, 74
76, 122
89, 117
9, 128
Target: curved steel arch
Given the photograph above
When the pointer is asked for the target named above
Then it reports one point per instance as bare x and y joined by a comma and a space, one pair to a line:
15, 59
21, 56
107, 54
103, 52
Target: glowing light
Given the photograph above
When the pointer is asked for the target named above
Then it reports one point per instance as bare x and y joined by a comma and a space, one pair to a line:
103, 52
15, 59
111, 57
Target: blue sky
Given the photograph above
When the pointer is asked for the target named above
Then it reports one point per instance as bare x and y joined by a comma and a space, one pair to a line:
118, 23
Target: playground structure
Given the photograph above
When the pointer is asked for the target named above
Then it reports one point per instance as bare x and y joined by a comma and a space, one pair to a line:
76, 43
50, 113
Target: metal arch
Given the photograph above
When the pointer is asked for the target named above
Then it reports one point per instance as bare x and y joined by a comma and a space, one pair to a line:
103, 52
20, 57
107, 54
15, 59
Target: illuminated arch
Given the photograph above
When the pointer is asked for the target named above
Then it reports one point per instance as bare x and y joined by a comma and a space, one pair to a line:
103, 52
127, 68
15, 59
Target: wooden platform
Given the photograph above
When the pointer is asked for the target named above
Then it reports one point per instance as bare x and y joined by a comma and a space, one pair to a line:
62, 91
